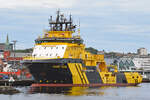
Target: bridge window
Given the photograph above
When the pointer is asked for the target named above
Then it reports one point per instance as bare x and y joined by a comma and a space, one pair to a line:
86, 56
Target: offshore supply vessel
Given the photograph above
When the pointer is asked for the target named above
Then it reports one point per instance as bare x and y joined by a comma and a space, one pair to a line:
60, 59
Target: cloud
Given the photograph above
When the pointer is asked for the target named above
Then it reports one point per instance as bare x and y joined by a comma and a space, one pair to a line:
125, 5
137, 30
110, 7
108, 24
89, 7
36, 3
134, 5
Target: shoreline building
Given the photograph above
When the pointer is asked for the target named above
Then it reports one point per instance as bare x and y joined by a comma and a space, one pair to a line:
123, 63
6, 46
142, 59
139, 61
142, 62
7, 52
142, 51
126, 64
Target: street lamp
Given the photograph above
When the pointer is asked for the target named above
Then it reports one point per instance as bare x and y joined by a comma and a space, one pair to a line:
14, 43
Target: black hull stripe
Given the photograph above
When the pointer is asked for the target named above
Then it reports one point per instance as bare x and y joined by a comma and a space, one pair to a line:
82, 74
79, 73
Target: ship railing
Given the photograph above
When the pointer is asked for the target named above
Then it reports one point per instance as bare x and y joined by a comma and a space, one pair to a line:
36, 58
95, 57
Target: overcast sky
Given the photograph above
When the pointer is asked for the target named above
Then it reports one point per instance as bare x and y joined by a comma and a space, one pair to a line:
112, 25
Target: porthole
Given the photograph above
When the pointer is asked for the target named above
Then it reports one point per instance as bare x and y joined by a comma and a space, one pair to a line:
132, 76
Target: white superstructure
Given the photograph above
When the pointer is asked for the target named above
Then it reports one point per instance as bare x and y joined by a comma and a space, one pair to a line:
49, 51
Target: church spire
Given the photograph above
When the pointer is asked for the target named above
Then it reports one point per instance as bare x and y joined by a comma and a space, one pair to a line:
7, 45
7, 39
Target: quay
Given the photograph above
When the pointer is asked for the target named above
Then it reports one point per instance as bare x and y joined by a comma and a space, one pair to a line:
8, 90
25, 82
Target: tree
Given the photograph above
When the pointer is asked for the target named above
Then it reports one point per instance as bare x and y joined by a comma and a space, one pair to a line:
91, 50
29, 50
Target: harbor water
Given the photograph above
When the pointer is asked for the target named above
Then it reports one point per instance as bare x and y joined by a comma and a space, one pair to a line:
141, 92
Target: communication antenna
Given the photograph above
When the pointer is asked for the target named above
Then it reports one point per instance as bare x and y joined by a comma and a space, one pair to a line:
51, 19
45, 33
79, 29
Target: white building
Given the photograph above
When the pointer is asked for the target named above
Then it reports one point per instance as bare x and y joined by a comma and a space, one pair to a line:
1, 55
142, 51
129, 63
123, 64
142, 62
101, 52
126, 64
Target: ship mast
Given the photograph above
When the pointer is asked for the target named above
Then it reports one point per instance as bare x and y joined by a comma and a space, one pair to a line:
61, 23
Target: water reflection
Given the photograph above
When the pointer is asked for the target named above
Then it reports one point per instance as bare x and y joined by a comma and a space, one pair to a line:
8, 90
72, 91
140, 92
68, 91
